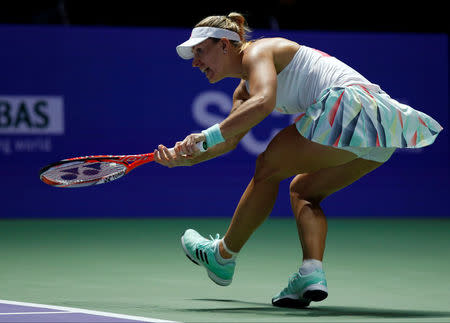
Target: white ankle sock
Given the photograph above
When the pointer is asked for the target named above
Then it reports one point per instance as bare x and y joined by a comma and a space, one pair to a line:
222, 260
309, 265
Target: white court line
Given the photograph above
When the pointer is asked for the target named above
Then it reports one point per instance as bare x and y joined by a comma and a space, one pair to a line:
84, 311
28, 313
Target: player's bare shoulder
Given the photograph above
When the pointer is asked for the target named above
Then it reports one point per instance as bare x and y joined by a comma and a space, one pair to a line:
279, 50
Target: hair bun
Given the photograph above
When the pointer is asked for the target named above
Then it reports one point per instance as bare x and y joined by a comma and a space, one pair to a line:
241, 23
237, 17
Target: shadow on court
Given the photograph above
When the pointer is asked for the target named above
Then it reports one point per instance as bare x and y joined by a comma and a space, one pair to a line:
322, 311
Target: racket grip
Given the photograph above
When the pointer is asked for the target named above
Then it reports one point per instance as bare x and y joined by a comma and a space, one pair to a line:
202, 146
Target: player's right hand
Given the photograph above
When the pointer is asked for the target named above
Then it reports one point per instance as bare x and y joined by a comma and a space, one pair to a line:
170, 157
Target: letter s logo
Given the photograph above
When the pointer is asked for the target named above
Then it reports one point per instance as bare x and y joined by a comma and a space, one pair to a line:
200, 105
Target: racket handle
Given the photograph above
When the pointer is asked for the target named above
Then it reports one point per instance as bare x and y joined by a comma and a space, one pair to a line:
202, 146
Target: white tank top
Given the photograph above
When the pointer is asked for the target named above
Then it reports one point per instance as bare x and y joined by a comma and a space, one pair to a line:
309, 73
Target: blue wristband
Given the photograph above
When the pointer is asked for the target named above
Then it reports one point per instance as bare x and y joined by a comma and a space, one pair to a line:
213, 135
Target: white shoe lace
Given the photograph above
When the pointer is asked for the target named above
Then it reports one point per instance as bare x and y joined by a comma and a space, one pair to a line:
216, 238
207, 243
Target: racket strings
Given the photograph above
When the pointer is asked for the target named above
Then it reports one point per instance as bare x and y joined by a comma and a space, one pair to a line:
79, 172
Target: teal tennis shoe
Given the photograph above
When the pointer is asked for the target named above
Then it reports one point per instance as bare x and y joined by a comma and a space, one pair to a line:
202, 252
302, 289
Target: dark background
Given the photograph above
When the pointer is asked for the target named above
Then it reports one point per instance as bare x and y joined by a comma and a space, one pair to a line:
374, 16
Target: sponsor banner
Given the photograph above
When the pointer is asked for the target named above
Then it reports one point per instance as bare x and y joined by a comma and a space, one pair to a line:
31, 115
10, 145
27, 123
100, 91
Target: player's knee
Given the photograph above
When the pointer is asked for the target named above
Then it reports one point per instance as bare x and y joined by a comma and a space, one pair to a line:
303, 190
266, 169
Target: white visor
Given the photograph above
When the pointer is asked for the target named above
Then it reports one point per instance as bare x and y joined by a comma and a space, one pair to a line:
200, 34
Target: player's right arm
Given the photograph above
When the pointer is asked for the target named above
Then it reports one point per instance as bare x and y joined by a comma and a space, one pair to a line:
163, 157
240, 95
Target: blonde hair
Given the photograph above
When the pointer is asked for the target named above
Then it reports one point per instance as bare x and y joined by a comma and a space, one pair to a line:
234, 22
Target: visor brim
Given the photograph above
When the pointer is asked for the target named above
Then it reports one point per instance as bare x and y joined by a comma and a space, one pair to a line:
184, 50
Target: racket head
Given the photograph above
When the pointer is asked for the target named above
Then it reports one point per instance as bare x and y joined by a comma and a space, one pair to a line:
83, 172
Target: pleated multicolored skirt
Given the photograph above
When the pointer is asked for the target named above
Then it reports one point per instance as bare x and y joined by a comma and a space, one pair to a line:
356, 116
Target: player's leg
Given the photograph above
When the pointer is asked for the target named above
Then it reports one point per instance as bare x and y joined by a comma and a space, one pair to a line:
309, 189
306, 192
288, 154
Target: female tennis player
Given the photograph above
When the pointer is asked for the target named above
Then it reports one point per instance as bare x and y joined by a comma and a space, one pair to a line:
347, 127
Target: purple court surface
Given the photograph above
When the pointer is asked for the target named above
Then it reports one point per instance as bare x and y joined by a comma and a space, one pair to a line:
19, 312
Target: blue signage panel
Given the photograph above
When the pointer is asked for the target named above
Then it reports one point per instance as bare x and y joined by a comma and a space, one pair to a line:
75, 91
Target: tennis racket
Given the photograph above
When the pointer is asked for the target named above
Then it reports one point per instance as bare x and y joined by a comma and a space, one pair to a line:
94, 170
